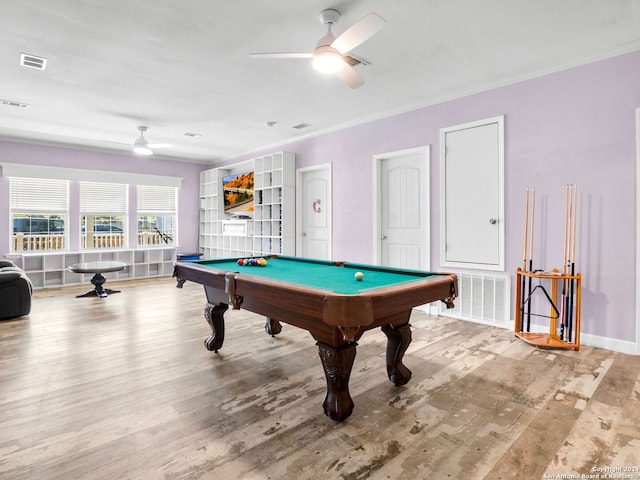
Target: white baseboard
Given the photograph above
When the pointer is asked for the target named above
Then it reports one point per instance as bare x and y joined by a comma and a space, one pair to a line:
586, 339
596, 341
614, 344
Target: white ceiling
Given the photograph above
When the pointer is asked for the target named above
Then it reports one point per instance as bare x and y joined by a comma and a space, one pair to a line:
184, 66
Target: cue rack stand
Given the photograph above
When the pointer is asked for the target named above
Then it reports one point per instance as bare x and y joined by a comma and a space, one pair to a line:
564, 308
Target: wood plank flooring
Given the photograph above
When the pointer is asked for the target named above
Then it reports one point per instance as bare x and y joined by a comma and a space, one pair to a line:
123, 388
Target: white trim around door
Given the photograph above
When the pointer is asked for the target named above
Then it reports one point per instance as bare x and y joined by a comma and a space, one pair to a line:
637, 349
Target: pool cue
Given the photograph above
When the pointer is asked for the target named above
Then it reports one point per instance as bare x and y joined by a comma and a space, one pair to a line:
563, 314
573, 260
524, 255
533, 217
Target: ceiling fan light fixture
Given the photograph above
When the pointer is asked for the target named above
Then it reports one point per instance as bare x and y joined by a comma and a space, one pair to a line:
327, 60
142, 150
141, 146
333, 55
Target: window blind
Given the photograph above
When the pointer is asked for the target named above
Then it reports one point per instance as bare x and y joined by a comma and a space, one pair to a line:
103, 198
155, 199
38, 195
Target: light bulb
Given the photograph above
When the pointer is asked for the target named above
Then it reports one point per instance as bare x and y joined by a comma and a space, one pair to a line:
328, 61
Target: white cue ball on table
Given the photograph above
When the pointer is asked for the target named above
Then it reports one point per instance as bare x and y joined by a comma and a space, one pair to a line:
359, 276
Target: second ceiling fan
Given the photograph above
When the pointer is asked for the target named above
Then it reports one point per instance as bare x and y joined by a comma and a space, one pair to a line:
329, 54
142, 147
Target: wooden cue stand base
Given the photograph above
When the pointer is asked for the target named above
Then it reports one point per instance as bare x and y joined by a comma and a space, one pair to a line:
551, 339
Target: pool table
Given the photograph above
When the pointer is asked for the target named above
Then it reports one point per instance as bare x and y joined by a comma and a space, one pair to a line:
324, 298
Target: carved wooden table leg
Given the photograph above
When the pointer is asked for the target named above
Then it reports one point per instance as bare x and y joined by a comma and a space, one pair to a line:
337, 363
272, 327
215, 318
398, 340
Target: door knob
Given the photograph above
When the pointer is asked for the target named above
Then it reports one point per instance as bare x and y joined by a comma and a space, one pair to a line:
383, 237
493, 221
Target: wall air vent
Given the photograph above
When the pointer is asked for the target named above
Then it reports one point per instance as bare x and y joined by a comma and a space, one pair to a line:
482, 299
300, 126
32, 61
13, 103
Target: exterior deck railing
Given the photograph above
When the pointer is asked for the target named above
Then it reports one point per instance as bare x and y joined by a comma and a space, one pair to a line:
32, 243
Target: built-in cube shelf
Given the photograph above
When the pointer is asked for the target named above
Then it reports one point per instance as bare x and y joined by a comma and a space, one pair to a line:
271, 230
51, 269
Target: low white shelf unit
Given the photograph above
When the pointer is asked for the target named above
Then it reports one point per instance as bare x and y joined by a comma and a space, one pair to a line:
51, 269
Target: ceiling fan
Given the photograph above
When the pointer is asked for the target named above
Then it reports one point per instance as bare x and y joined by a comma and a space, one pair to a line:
329, 54
142, 147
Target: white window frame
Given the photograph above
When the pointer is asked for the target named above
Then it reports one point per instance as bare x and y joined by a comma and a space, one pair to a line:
104, 199
157, 200
40, 196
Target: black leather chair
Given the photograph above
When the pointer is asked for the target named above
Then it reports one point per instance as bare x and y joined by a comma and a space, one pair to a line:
15, 291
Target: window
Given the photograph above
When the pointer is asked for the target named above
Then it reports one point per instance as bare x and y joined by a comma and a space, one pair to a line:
103, 215
156, 215
38, 213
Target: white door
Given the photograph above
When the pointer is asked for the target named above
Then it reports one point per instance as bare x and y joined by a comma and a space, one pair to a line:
314, 212
472, 195
402, 236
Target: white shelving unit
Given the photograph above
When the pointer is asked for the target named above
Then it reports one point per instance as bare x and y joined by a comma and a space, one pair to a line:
274, 214
272, 229
51, 269
211, 212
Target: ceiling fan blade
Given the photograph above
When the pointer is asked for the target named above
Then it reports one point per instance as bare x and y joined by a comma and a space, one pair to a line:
159, 145
281, 55
359, 32
349, 76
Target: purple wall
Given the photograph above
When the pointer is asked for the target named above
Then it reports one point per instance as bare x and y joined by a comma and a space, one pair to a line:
188, 203
576, 126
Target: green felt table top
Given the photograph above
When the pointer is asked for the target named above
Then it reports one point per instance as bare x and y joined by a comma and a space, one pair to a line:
322, 275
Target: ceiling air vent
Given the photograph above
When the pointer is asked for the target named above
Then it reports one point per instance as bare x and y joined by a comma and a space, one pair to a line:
32, 61
354, 61
13, 103
301, 126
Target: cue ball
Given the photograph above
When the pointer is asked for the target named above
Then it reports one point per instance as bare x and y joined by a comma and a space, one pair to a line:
359, 276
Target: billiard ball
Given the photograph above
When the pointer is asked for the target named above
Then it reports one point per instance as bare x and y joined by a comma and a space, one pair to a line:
359, 276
